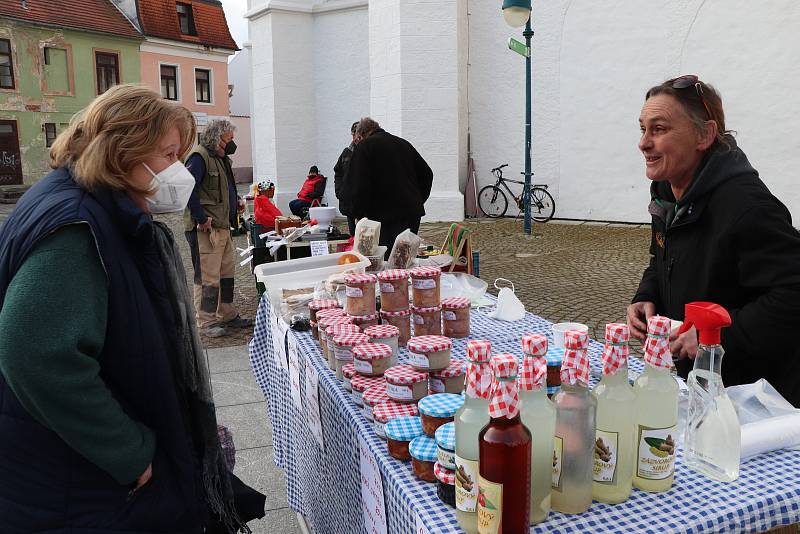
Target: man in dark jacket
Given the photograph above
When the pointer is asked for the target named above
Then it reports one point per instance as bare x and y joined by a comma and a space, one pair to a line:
718, 235
390, 181
340, 185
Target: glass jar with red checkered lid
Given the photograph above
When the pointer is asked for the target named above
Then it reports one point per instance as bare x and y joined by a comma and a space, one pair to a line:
400, 319
448, 380
360, 384
317, 305
425, 287
331, 332
405, 384
360, 293
429, 353
455, 316
343, 349
372, 359
394, 289
385, 334
372, 397
365, 321
427, 321
386, 411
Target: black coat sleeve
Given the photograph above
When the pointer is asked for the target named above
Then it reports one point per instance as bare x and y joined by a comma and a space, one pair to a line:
648, 286
424, 175
358, 182
768, 265
339, 172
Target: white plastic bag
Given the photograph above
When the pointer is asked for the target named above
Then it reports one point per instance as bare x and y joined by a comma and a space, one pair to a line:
463, 285
404, 250
509, 307
769, 422
367, 235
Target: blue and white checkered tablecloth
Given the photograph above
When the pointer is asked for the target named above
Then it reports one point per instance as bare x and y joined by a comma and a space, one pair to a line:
324, 485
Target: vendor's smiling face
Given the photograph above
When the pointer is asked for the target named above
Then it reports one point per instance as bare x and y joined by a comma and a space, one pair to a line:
671, 143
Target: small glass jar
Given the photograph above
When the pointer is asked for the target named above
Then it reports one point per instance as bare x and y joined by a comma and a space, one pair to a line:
429, 353
448, 380
554, 357
343, 349
383, 413
400, 433
385, 334
455, 313
427, 321
402, 321
423, 457
360, 293
445, 484
437, 410
372, 397
316, 306
394, 289
365, 321
324, 320
404, 384
372, 359
348, 372
446, 445
333, 331
425, 286
360, 384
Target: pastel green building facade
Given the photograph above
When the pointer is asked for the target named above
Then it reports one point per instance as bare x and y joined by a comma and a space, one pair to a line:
57, 72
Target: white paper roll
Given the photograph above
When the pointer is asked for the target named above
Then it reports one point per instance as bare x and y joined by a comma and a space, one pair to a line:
782, 432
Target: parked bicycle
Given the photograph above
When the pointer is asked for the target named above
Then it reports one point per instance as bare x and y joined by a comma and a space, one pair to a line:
493, 202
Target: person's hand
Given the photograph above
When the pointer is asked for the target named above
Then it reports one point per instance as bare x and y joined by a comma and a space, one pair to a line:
638, 314
144, 478
206, 226
684, 345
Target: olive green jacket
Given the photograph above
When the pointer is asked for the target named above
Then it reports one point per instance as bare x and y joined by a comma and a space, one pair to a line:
213, 192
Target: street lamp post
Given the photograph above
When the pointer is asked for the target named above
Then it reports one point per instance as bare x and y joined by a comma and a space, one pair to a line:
516, 14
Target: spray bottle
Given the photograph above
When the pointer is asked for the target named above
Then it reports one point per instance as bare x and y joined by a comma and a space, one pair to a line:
713, 435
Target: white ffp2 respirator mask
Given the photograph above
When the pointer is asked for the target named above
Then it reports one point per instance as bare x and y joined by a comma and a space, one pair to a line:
171, 188
509, 307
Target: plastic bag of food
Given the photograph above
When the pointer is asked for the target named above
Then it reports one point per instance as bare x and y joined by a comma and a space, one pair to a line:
367, 235
404, 250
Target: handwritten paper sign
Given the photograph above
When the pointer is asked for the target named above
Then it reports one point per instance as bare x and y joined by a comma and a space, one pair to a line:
279, 329
319, 247
372, 501
294, 372
312, 403
420, 528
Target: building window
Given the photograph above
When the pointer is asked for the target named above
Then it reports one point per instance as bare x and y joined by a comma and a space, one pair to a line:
49, 134
185, 19
107, 67
202, 78
169, 82
56, 70
6, 65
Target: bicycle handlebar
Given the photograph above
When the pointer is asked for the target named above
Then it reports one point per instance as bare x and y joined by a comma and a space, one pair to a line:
500, 167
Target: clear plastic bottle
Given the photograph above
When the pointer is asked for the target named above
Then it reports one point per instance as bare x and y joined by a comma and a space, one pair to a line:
469, 421
656, 412
575, 430
713, 435
539, 415
616, 405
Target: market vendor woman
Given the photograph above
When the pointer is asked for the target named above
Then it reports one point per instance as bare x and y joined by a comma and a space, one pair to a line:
718, 235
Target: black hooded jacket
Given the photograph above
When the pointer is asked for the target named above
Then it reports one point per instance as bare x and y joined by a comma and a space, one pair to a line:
730, 241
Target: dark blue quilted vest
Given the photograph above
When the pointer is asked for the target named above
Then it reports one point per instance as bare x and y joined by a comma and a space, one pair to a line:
45, 486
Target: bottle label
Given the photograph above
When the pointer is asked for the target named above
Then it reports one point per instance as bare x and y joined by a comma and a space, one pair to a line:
367, 409
446, 458
656, 452
558, 448
363, 366
466, 484
418, 319
449, 315
399, 392
386, 287
606, 446
418, 360
379, 429
423, 283
490, 506
344, 354
436, 385
354, 292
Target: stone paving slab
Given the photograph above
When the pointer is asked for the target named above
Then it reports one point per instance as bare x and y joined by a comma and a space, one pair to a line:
236, 387
249, 423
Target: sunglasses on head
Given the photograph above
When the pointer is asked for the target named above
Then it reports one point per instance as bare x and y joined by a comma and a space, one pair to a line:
689, 80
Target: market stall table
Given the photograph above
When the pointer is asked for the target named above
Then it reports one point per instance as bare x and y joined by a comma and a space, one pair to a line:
322, 451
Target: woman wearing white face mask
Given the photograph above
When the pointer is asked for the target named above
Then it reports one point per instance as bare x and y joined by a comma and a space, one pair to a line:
106, 399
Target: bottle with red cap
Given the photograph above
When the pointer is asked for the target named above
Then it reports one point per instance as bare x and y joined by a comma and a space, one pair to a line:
713, 436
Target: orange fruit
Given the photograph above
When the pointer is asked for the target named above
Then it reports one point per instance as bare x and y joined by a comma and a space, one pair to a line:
348, 258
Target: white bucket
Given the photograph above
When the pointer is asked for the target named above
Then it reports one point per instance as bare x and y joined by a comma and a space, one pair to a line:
559, 329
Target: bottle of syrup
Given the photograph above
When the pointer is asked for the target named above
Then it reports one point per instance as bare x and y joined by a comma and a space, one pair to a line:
504, 484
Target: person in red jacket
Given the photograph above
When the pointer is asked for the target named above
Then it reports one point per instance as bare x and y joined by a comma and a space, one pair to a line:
313, 189
265, 210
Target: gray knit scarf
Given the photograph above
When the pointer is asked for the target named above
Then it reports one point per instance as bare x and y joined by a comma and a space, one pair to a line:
192, 378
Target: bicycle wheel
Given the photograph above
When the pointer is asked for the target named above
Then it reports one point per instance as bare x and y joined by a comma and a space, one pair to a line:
492, 201
542, 205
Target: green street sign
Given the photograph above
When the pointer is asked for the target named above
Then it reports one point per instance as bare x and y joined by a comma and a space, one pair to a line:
518, 47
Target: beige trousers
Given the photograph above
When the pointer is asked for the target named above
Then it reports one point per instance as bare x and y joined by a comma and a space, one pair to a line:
213, 298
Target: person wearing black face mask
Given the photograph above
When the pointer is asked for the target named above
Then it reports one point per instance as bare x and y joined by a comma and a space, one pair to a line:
207, 223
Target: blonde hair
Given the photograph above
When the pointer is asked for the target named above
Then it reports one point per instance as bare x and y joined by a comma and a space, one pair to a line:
117, 131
